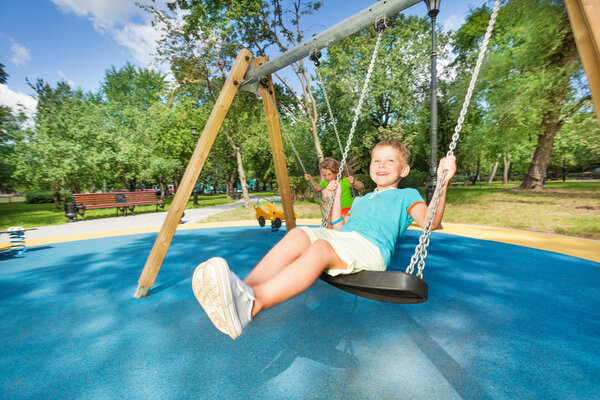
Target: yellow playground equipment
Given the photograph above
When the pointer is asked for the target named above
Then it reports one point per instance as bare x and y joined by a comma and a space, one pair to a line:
272, 214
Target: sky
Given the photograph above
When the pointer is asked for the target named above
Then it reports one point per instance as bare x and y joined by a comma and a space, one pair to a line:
78, 40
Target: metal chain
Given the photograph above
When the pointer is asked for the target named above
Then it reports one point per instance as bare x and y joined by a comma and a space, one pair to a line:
421, 250
316, 195
333, 120
354, 122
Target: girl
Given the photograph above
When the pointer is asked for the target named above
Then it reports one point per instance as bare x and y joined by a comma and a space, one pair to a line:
329, 169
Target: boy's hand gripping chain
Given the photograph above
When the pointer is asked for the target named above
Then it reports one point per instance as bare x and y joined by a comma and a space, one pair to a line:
421, 249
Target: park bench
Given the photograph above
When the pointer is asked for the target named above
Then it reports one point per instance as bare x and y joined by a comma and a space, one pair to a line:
143, 199
121, 201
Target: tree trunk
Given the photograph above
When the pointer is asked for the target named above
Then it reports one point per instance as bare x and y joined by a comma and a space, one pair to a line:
175, 181
230, 185
56, 196
240, 169
242, 175
505, 177
315, 135
476, 178
493, 174
163, 187
534, 179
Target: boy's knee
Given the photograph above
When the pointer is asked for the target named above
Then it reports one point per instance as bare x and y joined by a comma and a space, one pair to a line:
321, 246
297, 233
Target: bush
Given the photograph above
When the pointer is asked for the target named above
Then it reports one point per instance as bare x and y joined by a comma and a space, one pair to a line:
39, 197
415, 179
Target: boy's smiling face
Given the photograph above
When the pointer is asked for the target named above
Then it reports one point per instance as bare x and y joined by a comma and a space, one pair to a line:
387, 167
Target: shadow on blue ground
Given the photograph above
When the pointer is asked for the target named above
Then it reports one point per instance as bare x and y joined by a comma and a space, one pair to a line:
502, 322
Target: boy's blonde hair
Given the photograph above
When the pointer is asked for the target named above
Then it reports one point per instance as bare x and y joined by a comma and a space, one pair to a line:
396, 145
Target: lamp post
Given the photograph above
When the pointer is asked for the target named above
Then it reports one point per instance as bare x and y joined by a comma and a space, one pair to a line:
433, 8
194, 134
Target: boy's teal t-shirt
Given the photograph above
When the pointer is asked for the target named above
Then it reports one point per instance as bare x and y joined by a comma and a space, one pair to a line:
381, 217
346, 196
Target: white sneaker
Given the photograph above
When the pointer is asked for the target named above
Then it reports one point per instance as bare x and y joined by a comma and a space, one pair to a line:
243, 297
212, 289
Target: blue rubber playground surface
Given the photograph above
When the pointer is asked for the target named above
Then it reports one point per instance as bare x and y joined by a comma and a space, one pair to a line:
501, 322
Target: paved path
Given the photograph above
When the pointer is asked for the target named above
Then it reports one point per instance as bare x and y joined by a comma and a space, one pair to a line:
138, 221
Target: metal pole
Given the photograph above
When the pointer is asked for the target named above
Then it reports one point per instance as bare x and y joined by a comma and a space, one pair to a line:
341, 30
433, 113
194, 134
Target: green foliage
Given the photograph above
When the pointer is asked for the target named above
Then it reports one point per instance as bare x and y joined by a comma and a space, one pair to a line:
415, 179
39, 197
397, 98
528, 87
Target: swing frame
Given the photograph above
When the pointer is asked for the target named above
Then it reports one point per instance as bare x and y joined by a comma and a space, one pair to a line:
254, 74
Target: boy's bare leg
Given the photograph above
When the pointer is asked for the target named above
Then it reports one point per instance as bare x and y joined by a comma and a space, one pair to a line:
297, 276
293, 244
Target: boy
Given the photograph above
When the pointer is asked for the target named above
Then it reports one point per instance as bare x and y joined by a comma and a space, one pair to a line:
364, 241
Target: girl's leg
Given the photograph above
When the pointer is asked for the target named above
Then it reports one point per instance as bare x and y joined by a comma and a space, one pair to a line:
293, 244
297, 277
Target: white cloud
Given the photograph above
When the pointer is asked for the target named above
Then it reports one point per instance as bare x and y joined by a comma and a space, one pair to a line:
140, 40
103, 13
18, 101
453, 22
20, 54
123, 20
65, 78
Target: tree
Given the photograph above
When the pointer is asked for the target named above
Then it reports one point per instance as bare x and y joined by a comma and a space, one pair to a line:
128, 94
529, 84
64, 151
11, 135
397, 102
212, 32
3, 74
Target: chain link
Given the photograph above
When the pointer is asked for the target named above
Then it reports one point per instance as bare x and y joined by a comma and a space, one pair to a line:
333, 120
354, 122
421, 250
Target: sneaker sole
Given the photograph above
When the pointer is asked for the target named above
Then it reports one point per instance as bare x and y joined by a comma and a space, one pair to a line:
212, 289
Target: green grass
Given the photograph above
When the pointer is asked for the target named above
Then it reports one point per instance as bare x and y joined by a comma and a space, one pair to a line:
32, 215
567, 208
570, 208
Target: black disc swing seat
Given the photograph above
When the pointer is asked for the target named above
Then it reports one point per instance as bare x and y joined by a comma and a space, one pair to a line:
388, 286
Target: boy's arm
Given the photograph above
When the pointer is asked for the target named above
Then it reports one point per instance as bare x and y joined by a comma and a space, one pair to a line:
336, 220
420, 212
315, 185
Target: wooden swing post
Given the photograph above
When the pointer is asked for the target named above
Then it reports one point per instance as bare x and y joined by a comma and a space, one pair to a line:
584, 16
283, 182
192, 172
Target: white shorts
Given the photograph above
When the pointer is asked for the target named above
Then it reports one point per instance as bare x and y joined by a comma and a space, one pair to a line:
356, 251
